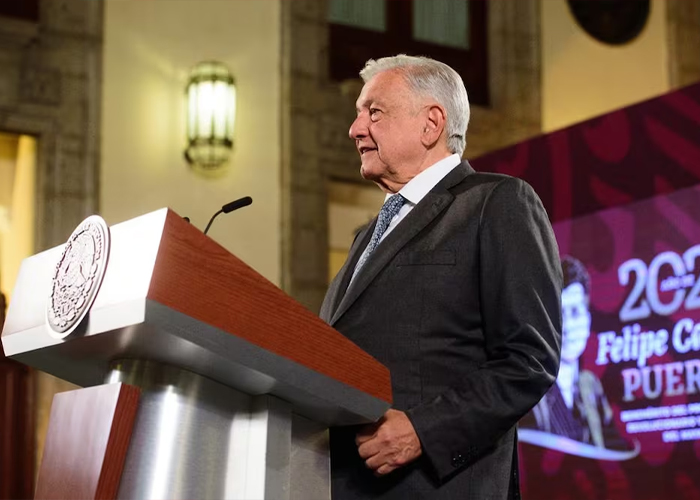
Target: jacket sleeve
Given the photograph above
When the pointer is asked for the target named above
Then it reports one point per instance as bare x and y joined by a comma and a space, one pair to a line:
520, 293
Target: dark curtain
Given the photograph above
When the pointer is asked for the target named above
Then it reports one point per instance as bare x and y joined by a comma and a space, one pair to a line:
16, 426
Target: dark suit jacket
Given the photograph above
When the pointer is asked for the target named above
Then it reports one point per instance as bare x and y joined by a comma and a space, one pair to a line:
461, 301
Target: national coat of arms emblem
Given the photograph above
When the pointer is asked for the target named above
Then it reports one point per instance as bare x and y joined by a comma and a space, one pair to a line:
78, 276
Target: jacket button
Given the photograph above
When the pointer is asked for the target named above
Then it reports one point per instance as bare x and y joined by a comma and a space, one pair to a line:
457, 460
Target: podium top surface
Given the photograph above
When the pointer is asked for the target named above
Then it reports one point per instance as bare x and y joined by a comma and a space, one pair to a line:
171, 294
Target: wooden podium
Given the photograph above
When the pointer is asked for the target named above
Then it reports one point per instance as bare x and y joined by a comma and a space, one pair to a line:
202, 379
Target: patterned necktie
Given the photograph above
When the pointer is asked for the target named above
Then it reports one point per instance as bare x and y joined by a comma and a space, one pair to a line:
390, 208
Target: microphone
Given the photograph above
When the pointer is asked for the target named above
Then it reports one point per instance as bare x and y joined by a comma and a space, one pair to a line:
230, 207
235, 205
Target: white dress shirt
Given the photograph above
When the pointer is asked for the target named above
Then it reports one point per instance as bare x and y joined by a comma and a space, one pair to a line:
416, 189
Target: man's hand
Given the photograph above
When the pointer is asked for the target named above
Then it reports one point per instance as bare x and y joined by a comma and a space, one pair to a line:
388, 444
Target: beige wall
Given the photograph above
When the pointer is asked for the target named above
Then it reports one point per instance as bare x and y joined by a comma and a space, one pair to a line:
149, 48
582, 78
350, 206
17, 188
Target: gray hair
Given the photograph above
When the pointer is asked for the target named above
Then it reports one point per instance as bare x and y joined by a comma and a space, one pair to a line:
431, 78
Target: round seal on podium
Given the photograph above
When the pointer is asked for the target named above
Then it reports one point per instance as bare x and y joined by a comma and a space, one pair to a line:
78, 276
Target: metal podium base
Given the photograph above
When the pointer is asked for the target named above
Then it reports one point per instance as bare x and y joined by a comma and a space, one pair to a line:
196, 438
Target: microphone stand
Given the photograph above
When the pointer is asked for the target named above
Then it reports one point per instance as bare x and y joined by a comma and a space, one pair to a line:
230, 207
212, 220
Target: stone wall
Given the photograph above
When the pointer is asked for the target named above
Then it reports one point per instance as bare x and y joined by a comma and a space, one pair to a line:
683, 31
50, 88
304, 213
515, 113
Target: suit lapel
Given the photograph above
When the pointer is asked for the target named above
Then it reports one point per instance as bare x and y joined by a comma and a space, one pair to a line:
421, 215
340, 283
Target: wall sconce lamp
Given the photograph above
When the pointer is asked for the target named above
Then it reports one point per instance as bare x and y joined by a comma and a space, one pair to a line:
211, 115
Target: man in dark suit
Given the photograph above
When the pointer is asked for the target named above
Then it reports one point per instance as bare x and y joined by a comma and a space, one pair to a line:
455, 287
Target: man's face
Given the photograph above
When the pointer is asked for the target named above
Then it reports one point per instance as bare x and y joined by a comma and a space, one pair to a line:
576, 322
387, 131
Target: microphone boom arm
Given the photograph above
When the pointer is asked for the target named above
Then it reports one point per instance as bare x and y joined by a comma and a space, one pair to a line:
230, 207
212, 220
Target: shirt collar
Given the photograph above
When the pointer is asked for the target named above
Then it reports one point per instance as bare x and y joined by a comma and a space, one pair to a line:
416, 189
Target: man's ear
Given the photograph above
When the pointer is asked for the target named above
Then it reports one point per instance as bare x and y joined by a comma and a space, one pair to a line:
434, 125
